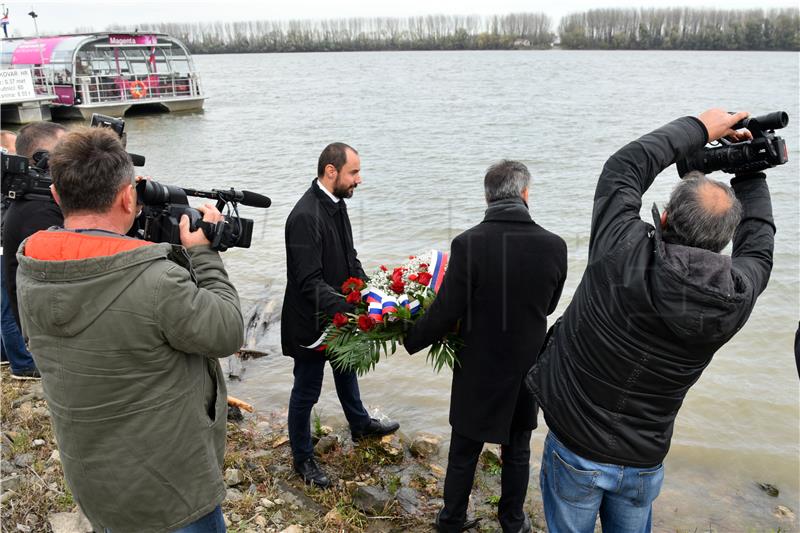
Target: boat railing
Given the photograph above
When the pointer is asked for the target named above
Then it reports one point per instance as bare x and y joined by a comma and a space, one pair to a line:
43, 82
94, 89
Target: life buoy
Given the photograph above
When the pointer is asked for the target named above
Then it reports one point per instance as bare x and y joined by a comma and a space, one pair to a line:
137, 89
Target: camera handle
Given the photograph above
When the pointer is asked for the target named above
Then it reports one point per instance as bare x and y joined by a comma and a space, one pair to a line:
214, 233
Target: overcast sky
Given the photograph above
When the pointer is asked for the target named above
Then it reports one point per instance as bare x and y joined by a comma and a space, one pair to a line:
66, 16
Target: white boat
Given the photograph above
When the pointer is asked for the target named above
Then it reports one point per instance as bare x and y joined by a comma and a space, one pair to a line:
108, 73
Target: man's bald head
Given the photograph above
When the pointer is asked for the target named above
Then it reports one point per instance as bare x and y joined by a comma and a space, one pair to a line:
702, 213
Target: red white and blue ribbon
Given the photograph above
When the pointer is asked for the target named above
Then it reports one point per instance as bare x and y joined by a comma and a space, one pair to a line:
436, 269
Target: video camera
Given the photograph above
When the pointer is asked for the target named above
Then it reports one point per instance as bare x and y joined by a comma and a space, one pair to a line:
163, 206
21, 180
765, 150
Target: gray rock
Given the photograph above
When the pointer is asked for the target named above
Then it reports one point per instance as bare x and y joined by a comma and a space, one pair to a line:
326, 444
6, 468
55, 457
293, 529
24, 459
371, 500
408, 499
6, 443
425, 446
267, 503
7, 495
781, 511
38, 442
69, 523
490, 457
277, 518
233, 495
11, 482
233, 477
24, 528
235, 517
293, 496
252, 489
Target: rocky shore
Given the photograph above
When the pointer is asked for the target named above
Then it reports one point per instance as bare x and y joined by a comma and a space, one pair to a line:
388, 485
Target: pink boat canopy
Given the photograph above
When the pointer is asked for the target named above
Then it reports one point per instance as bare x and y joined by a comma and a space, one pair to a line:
35, 51
40, 51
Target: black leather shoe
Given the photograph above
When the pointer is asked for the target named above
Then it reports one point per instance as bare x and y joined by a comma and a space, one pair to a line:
312, 474
375, 428
468, 524
526, 525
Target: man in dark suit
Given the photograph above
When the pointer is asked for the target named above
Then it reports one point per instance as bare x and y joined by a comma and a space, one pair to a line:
320, 257
504, 277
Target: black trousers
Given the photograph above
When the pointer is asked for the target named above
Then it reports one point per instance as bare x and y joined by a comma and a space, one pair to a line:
461, 463
308, 376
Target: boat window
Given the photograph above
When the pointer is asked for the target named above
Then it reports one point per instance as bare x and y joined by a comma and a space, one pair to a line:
161, 66
137, 60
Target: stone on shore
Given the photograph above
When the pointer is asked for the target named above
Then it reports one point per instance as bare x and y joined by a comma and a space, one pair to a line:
293, 529
326, 444
69, 523
425, 446
233, 477
371, 500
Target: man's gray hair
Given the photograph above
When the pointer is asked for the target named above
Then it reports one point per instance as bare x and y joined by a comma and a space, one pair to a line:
506, 179
692, 223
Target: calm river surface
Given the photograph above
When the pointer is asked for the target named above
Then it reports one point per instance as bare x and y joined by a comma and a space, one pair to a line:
427, 125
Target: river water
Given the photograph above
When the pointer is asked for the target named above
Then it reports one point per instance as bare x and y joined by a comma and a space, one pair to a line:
427, 124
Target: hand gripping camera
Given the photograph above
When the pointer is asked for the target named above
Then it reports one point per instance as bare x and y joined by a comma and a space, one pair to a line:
163, 206
765, 150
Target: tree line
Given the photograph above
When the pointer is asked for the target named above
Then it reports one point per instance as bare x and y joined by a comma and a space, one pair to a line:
682, 29
639, 29
433, 32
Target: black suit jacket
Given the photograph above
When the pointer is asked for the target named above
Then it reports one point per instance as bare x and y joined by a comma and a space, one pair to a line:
504, 277
319, 257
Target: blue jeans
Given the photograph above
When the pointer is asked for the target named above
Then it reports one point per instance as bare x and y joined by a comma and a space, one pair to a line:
575, 490
213, 522
308, 376
19, 358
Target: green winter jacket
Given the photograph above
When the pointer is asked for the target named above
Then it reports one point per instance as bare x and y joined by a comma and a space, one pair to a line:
126, 335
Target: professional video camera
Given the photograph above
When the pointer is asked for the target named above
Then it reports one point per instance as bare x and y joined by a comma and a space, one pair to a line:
163, 206
765, 150
21, 180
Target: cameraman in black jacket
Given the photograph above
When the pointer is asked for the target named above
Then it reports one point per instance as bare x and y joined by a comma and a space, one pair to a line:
23, 218
654, 305
27, 216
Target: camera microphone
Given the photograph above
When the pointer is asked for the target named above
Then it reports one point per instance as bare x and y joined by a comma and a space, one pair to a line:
253, 199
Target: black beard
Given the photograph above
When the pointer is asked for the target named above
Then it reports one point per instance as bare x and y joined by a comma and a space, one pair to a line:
343, 193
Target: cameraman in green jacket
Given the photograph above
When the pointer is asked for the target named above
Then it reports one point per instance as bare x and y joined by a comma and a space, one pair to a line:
126, 335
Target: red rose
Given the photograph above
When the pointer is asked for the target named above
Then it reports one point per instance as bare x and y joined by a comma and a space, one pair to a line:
365, 322
383, 267
412, 277
352, 284
397, 275
354, 297
412, 256
398, 286
423, 267
424, 278
340, 320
